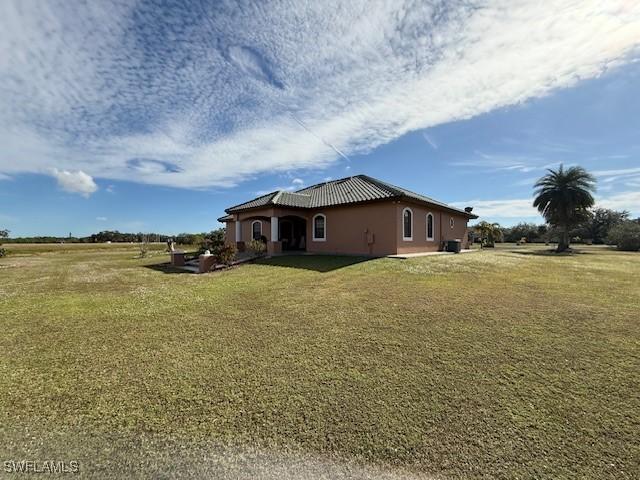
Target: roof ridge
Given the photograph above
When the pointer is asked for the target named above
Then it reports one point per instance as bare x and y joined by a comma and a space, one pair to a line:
326, 182
403, 192
253, 200
297, 192
276, 196
382, 183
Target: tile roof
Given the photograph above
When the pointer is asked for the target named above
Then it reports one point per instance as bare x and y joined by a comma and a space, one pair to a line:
357, 189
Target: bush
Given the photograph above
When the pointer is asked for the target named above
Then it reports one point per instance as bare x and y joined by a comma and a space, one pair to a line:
257, 247
225, 254
213, 240
143, 247
3, 234
626, 236
200, 242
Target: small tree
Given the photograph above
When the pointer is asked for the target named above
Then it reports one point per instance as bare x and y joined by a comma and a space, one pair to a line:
626, 236
199, 241
489, 233
599, 223
144, 246
3, 234
214, 239
530, 231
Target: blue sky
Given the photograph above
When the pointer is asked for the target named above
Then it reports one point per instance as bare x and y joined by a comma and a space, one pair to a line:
152, 116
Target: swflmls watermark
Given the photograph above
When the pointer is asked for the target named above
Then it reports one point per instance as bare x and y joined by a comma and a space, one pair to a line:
44, 466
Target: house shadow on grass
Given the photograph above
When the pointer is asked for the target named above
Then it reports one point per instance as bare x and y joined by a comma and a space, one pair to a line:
318, 263
166, 267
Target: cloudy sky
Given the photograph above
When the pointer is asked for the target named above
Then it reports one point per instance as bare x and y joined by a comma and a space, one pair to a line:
144, 116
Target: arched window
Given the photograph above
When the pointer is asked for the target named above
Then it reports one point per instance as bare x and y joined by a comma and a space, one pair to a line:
256, 229
319, 228
407, 224
452, 222
430, 226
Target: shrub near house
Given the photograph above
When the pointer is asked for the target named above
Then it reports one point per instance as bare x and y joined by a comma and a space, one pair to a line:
257, 247
225, 254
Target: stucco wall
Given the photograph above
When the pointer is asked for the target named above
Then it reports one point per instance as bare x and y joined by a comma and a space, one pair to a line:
230, 232
348, 227
264, 216
246, 228
442, 228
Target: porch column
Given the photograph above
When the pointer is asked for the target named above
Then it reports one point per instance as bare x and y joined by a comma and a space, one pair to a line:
239, 242
274, 246
238, 230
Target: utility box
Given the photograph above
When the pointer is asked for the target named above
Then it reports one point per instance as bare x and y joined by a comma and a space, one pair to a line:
454, 246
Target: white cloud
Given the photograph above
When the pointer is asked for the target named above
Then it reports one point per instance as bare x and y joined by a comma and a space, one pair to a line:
296, 184
75, 182
101, 219
522, 208
616, 173
430, 140
217, 95
510, 208
629, 201
610, 179
506, 162
4, 177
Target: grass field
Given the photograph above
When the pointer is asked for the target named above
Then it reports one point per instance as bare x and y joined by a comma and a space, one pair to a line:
506, 363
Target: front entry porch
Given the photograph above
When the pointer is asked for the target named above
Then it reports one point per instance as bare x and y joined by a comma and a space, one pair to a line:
284, 230
292, 233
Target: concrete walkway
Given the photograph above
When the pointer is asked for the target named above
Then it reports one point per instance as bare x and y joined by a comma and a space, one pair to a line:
427, 254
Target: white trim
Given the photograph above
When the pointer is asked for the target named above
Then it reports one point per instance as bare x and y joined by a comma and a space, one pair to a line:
433, 227
252, 224
313, 228
407, 239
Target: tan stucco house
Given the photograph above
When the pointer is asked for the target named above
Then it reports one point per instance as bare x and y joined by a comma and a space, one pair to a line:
355, 215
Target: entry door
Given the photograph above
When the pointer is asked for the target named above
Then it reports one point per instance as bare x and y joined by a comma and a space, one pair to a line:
286, 234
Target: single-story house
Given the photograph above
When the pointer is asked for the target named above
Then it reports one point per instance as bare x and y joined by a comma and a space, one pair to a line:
355, 215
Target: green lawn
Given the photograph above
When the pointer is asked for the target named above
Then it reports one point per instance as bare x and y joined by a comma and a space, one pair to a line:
506, 363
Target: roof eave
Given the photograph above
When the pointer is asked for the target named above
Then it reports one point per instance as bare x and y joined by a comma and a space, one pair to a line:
436, 205
235, 208
267, 205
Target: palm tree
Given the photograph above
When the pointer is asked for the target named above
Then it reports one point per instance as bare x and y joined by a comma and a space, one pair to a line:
489, 233
563, 197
